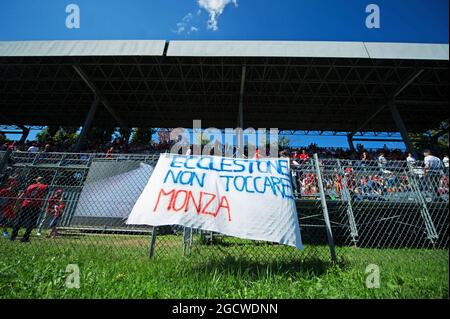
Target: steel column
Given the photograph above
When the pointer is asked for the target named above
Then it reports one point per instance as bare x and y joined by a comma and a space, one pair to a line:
432, 234
350, 143
348, 199
87, 125
241, 99
402, 129
325, 209
99, 95
152, 242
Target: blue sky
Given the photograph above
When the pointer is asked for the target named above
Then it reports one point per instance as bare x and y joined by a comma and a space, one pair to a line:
334, 20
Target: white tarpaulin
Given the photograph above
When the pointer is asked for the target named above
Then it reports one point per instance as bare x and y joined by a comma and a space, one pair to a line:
250, 199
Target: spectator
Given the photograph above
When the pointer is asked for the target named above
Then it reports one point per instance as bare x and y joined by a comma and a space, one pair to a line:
51, 203
431, 171
58, 210
445, 162
304, 156
109, 152
33, 148
382, 159
257, 154
7, 205
365, 156
47, 148
31, 206
410, 160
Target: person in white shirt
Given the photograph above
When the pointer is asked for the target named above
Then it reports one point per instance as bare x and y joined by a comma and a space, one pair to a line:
410, 160
33, 148
432, 163
431, 171
445, 162
382, 161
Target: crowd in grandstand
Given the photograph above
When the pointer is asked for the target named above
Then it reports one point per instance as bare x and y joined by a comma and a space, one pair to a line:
373, 179
119, 146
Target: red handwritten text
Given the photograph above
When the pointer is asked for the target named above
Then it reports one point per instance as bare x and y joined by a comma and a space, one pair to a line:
204, 203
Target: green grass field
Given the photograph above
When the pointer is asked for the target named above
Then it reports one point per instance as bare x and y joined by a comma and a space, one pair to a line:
119, 267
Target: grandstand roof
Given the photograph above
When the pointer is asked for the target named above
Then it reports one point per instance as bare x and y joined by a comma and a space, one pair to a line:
329, 86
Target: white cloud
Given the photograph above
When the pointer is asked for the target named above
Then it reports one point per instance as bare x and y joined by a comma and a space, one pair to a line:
185, 25
215, 8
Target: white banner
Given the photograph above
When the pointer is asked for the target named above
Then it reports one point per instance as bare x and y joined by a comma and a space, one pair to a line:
250, 199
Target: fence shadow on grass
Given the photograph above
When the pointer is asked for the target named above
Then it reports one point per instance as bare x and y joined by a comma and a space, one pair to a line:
256, 269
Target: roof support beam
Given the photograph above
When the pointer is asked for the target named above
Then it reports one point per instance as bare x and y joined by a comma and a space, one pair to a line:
241, 98
402, 129
240, 119
392, 98
25, 130
87, 125
99, 96
377, 140
350, 143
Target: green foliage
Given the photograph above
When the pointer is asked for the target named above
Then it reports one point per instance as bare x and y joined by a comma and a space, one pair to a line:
58, 134
436, 139
203, 140
3, 139
66, 135
284, 142
142, 135
102, 135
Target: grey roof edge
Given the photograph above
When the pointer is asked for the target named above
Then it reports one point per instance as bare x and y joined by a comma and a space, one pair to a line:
315, 49
82, 48
318, 49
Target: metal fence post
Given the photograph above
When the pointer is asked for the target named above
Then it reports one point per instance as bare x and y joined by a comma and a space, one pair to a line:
325, 210
424, 212
152, 242
4, 164
187, 240
351, 217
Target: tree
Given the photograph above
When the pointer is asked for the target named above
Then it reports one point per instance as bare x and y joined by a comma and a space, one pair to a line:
284, 142
142, 135
102, 135
436, 139
46, 134
66, 135
164, 135
61, 137
3, 139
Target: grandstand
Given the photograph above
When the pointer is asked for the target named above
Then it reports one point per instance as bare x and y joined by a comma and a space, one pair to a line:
310, 86
350, 87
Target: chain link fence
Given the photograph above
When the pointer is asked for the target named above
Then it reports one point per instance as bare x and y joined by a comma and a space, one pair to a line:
348, 210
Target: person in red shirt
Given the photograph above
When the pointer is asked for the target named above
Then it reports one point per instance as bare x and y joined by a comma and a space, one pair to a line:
257, 154
304, 156
109, 152
58, 210
7, 204
51, 203
31, 207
